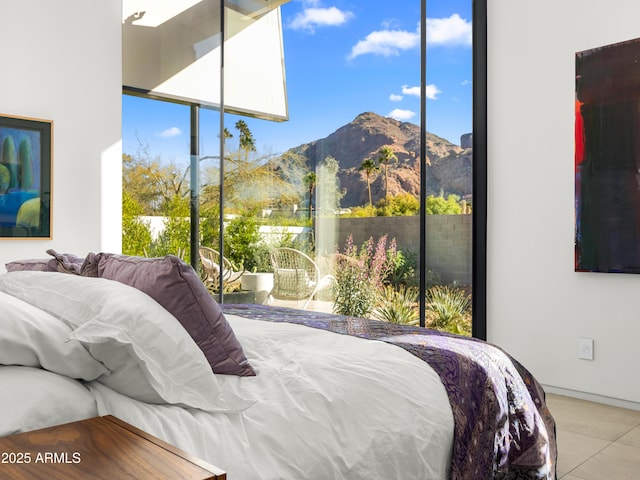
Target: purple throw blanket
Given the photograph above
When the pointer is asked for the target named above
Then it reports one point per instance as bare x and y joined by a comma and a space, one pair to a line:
503, 428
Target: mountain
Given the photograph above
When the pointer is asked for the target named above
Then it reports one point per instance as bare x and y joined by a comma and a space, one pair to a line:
448, 165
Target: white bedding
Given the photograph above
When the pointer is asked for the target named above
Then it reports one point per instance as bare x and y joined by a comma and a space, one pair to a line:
33, 398
360, 418
322, 405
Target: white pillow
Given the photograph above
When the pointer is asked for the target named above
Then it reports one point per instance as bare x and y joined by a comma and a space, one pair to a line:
32, 398
34, 338
151, 356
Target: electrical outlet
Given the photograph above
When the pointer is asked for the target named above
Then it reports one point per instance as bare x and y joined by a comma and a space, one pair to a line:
585, 348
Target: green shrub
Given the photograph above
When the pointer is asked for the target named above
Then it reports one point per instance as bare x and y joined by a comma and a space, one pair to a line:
136, 234
441, 206
401, 204
404, 269
176, 236
359, 212
241, 236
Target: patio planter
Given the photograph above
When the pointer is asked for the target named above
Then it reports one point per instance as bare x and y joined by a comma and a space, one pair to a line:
260, 283
241, 296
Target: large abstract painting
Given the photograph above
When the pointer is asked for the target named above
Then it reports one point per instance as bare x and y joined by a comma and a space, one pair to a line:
607, 159
25, 178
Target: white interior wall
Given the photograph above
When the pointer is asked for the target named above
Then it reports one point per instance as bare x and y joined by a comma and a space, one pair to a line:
537, 305
61, 61
64, 63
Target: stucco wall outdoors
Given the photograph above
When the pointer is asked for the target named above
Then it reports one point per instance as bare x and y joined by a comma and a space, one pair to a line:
448, 240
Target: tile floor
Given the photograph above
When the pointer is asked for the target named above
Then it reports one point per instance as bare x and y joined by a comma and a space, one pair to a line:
595, 441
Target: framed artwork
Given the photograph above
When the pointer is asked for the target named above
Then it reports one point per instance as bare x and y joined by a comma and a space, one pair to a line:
607, 159
25, 177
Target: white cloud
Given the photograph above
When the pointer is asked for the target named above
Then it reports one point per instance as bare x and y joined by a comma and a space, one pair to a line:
401, 115
432, 92
395, 98
171, 132
465, 82
451, 31
407, 90
386, 43
313, 17
454, 30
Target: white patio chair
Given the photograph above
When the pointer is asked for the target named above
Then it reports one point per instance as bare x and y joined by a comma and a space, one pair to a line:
296, 276
210, 260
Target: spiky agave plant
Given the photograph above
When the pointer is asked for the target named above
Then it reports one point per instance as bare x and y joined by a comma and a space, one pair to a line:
397, 305
448, 307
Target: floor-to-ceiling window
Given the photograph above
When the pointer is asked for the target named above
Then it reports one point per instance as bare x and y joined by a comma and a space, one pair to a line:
333, 182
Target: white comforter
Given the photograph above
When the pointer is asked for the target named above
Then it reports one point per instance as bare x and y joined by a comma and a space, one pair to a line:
322, 405
366, 410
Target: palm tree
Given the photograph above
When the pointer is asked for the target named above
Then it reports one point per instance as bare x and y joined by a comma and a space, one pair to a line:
385, 157
247, 142
309, 181
368, 166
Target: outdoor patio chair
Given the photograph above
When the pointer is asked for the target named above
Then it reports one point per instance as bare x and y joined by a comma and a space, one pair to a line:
210, 260
296, 276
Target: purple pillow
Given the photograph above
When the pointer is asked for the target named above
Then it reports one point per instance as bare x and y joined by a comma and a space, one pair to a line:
67, 262
61, 262
176, 286
39, 264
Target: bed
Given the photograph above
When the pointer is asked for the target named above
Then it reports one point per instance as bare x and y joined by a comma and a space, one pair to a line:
262, 392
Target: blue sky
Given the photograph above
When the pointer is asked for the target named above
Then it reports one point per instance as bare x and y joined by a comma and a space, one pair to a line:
343, 58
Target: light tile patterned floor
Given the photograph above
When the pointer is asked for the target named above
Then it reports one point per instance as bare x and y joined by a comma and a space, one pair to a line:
595, 441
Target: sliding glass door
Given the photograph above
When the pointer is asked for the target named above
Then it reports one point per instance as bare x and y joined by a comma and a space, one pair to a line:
337, 159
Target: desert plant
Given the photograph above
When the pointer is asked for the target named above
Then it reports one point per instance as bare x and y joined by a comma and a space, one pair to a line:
354, 295
397, 305
448, 309
361, 273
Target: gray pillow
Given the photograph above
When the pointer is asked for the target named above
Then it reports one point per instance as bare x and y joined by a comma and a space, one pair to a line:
176, 286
